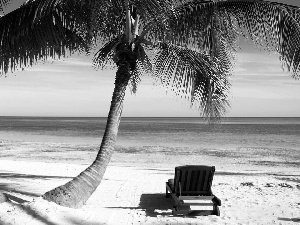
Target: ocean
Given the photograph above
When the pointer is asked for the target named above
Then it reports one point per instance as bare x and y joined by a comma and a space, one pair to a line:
149, 135
275, 132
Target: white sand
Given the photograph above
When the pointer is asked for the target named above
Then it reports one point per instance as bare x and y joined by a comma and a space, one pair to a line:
134, 193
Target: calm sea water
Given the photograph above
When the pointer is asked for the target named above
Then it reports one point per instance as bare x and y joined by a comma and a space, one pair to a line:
231, 132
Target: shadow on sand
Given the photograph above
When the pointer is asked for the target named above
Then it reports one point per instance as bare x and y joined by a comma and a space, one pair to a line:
290, 219
29, 211
153, 204
30, 176
80, 222
156, 204
36, 215
12, 187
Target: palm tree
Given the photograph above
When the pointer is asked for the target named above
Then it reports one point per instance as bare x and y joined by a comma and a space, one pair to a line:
189, 46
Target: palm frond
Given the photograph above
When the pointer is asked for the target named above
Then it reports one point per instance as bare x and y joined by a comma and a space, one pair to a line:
189, 24
157, 10
135, 79
194, 25
194, 76
154, 12
108, 19
220, 40
105, 54
143, 66
272, 26
211, 97
143, 61
109, 15
28, 34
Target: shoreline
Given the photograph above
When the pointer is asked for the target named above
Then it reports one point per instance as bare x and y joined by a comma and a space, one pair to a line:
238, 157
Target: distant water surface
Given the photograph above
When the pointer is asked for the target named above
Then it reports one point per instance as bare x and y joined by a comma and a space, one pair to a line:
238, 132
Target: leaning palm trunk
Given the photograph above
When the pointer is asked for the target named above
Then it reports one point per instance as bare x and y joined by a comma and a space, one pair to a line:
77, 191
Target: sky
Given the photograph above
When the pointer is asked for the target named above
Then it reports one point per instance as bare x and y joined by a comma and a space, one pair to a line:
73, 87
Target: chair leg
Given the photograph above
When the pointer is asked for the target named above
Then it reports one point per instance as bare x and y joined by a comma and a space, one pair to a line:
174, 211
216, 210
183, 210
167, 193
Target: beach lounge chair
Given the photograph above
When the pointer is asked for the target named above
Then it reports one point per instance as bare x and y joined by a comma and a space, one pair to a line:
191, 191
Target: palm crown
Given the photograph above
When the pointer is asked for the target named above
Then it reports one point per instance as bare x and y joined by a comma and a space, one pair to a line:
188, 45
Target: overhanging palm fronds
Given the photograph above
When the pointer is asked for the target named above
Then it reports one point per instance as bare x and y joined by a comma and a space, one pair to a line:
213, 35
27, 36
154, 14
105, 54
143, 66
109, 20
189, 24
108, 54
271, 25
150, 10
194, 76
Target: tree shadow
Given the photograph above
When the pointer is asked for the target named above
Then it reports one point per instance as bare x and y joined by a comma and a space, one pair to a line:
295, 180
17, 188
30, 176
12, 187
276, 163
15, 198
2, 222
32, 213
220, 173
153, 205
289, 219
156, 204
77, 222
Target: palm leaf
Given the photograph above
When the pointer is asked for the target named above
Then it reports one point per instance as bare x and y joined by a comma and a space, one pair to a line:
143, 66
154, 12
202, 26
135, 79
220, 40
105, 54
194, 76
29, 33
109, 15
272, 26
108, 19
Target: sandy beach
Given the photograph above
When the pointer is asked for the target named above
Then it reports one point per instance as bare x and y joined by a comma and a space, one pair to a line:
133, 190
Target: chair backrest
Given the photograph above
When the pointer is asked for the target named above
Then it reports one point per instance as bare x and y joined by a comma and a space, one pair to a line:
193, 180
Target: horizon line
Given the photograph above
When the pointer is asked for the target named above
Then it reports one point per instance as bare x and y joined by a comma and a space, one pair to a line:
200, 117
